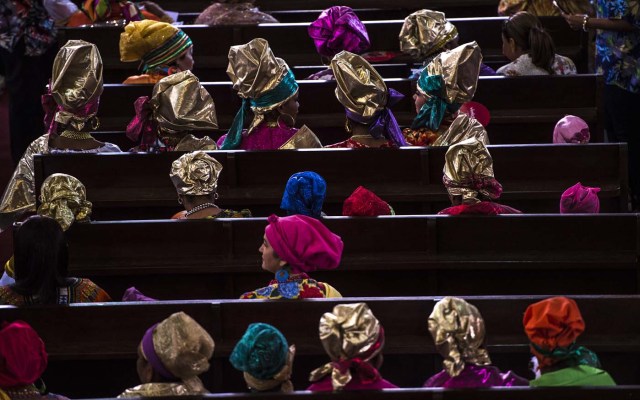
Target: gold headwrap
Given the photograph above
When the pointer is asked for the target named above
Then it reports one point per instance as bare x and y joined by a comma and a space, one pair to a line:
76, 81
282, 378
462, 128
64, 198
468, 171
459, 68
142, 37
360, 89
458, 331
184, 348
195, 174
180, 103
254, 71
350, 331
425, 32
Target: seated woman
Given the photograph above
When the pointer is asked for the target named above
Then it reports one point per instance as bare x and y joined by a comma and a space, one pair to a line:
233, 12
458, 332
195, 177
427, 33
267, 86
367, 101
179, 104
337, 29
293, 246
353, 338
447, 82
580, 199
304, 194
41, 260
70, 114
468, 177
160, 48
571, 129
553, 325
66, 12
544, 8
266, 359
530, 49
24, 360
365, 203
171, 355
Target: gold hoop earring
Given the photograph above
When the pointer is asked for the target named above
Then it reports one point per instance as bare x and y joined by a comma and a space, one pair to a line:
293, 120
347, 126
215, 196
179, 200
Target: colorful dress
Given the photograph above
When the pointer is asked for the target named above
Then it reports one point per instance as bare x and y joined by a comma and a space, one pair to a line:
296, 286
265, 136
582, 375
324, 385
26, 19
80, 291
475, 376
224, 213
543, 8
159, 390
482, 208
523, 65
354, 144
27, 393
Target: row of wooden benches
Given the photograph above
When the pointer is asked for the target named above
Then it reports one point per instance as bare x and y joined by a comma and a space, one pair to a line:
92, 348
291, 42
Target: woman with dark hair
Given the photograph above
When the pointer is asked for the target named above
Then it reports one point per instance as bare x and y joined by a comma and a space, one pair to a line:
530, 49
41, 259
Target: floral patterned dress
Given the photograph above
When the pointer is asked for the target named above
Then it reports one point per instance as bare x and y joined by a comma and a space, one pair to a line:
523, 65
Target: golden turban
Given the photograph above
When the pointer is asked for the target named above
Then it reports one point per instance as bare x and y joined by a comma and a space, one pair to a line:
195, 174
458, 331
64, 198
361, 89
76, 82
426, 32
468, 172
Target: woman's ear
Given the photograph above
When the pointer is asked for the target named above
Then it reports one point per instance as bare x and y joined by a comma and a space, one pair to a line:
512, 44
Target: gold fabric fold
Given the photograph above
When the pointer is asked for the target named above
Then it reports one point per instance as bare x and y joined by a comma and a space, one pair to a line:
465, 162
64, 198
195, 174
192, 143
458, 332
304, 138
160, 390
462, 128
282, 378
425, 32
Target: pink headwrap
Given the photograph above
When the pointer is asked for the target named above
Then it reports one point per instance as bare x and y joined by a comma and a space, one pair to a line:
23, 358
338, 28
571, 129
304, 243
580, 199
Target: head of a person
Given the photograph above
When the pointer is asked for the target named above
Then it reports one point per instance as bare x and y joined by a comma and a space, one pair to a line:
364, 203
195, 177
350, 332
265, 357
468, 173
64, 198
579, 199
522, 34
156, 45
447, 82
304, 194
571, 129
426, 33
337, 29
23, 358
458, 332
176, 349
300, 243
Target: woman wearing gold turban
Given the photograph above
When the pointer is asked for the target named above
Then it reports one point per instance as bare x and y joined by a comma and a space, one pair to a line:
70, 115
179, 104
171, 355
353, 338
195, 176
468, 177
160, 48
458, 331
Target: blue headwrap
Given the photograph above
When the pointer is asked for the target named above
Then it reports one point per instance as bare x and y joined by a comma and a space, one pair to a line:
304, 194
261, 352
432, 112
285, 89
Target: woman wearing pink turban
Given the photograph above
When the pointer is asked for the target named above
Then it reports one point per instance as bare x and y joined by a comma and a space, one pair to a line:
292, 247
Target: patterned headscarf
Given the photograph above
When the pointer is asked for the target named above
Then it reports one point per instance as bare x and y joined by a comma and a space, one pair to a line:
426, 32
304, 194
195, 174
64, 198
338, 28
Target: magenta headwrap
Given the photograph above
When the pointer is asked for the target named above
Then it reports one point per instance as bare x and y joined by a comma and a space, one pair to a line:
580, 199
152, 357
23, 358
338, 28
304, 243
571, 129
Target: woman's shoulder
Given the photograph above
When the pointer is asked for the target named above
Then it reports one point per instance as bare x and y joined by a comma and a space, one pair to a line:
563, 66
9, 297
85, 291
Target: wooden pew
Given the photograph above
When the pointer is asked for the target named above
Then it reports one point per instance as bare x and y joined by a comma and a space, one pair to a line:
137, 186
96, 340
520, 111
292, 43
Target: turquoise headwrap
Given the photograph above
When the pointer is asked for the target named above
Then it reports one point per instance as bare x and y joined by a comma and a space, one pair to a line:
261, 352
432, 112
284, 90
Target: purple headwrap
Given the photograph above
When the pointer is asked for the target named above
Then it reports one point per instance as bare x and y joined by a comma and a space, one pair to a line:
338, 28
152, 357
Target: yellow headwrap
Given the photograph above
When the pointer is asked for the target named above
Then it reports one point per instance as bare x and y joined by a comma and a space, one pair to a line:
64, 198
153, 42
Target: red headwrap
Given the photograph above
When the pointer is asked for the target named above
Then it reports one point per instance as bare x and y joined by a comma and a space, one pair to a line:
23, 358
365, 203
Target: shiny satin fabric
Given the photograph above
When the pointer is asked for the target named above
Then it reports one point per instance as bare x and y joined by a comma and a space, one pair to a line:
192, 143
462, 128
160, 390
304, 138
142, 37
195, 174
425, 32
458, 332
64, 198
282, 378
